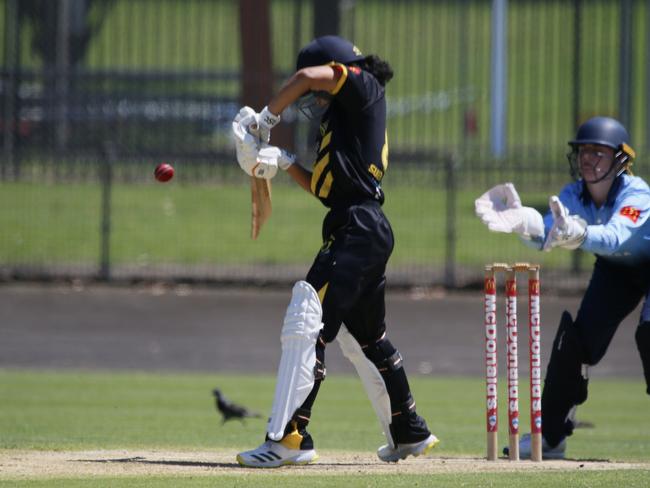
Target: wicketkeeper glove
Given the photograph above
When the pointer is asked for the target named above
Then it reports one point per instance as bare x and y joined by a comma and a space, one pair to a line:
568, 231
500, 209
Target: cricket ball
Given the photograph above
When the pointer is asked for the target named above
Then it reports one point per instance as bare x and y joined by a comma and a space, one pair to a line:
164, 172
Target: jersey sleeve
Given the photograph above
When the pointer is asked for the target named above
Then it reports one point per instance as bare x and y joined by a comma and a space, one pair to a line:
355, 88
630, 214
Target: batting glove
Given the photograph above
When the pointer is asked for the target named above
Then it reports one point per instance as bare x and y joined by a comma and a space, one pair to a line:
265, 122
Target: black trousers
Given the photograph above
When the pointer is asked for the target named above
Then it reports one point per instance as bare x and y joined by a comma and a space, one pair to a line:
349, 271
349, 275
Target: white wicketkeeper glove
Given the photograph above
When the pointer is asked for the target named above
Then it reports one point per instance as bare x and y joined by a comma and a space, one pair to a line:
568, 231
500, 209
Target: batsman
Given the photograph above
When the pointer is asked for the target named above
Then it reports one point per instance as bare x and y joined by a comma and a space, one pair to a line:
342, 296
604, 211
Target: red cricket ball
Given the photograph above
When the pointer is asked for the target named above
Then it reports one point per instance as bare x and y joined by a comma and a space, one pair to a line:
164, 172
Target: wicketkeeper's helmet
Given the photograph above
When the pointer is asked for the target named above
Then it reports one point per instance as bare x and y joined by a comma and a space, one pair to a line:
603, 131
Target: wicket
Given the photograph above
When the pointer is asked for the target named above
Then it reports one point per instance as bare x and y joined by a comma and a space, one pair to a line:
512, 373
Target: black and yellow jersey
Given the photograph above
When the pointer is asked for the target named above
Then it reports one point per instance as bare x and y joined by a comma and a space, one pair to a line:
352, 146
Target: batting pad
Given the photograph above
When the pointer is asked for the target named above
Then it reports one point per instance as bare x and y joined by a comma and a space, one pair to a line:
370, 377
302, 323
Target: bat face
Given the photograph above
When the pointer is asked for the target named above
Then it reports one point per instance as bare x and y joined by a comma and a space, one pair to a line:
261, 204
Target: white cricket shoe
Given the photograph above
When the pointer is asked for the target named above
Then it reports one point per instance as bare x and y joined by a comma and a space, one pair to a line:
273, 455
402, 451
548, 452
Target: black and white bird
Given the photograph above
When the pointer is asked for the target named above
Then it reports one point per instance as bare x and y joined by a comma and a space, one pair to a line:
230, 410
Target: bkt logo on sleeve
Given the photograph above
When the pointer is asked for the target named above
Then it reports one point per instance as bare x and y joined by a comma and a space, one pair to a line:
631, 213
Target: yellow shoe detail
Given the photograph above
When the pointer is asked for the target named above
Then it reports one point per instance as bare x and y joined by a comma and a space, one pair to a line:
292, 440
429, 447
300, 463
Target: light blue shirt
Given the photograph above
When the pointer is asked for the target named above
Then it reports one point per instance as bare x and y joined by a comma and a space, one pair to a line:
620, 229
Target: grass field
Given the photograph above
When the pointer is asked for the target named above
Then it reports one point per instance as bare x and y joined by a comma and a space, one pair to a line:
440, 52
48, 411
186, 223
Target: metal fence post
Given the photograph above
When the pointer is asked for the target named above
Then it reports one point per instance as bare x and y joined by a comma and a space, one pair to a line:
10, 88
450, 224
626, 64
106, 176
646, 142
61, 77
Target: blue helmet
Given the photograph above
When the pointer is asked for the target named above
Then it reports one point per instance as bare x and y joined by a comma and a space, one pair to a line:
608, 132
604, 131
325, 49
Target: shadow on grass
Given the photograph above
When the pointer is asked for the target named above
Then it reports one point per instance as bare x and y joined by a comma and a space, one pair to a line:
141, 460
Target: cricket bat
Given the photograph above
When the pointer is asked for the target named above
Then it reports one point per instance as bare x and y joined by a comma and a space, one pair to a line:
261, 204
260, 197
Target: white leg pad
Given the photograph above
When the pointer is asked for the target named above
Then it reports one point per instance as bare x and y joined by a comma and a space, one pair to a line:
302, 323
371, 379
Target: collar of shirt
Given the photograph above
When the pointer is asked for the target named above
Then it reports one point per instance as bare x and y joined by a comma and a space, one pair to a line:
586, 199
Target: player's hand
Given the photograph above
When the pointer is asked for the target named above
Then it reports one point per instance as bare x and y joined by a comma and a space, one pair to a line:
500, 209
245, 143
285, 158
270, 158
264, 122
568, 231
266, 163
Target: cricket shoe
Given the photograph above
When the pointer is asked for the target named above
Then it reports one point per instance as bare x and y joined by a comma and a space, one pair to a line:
402, 451
548, 452
273, 455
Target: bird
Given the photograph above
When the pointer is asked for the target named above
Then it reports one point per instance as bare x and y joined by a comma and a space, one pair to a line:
230, 410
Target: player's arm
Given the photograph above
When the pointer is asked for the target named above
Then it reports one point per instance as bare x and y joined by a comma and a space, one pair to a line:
630, 214
315, 78
301, 176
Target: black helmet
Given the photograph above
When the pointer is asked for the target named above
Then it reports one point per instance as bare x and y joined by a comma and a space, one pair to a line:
320, 51
324, 50
604, 131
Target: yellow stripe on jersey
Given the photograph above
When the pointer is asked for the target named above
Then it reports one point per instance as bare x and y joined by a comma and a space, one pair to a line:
326, 186
344, 76
322, 291
318, 170
325, 141
384, 152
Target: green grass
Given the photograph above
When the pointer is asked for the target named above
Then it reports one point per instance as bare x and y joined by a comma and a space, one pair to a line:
209, 224
48, 410
631, 479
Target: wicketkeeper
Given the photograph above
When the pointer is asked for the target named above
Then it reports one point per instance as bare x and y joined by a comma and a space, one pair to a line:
342, 296
605, 211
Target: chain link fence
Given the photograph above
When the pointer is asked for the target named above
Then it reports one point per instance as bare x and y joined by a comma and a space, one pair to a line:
95, 93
